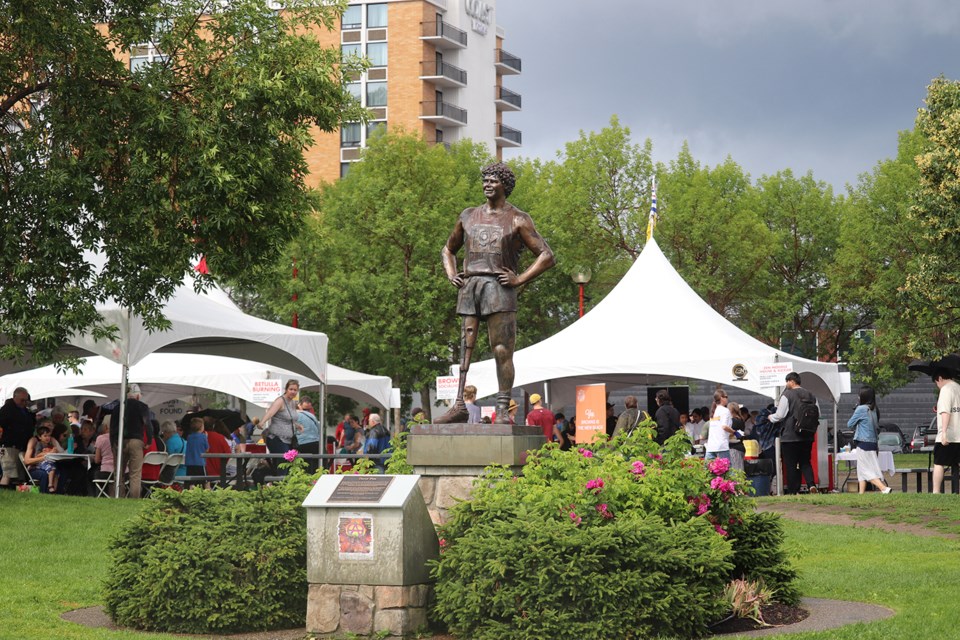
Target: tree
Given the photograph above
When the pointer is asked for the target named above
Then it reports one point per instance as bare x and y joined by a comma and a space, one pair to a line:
710, 228
931, 293
196, 149
370, 273
877, 243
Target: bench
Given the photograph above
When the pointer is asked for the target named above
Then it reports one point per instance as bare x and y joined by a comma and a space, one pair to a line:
190, 481
905, 475
948, 474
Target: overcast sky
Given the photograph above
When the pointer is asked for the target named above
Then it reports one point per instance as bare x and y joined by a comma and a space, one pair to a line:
810, 85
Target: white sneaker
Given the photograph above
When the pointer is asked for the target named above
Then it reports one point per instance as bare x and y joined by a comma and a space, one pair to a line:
887, 490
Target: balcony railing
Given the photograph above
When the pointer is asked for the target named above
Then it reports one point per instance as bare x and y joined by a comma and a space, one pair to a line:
443, 74
443, 112
508, 100
443, 35
508, 137
507, 63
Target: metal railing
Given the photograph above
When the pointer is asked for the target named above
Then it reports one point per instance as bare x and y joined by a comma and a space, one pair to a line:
508, 133
443, 69
440, 29
444, 110
509, 97
508, 60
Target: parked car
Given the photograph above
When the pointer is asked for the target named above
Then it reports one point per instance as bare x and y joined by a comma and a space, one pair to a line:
890, 428
918, 440
890, 441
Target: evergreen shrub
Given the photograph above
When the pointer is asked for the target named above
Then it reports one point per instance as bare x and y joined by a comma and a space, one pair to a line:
213, 561
611, 540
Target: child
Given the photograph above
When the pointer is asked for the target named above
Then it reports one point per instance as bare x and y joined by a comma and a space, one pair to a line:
46, 445
197, 445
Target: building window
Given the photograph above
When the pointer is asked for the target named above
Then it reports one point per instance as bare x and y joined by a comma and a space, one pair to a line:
351, 50
350, 134
377, 54
376, 16
376, 94
344, 169
355, 90
376, 128
142, 55
352, 17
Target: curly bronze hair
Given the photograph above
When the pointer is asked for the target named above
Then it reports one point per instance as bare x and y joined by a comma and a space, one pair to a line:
503, 173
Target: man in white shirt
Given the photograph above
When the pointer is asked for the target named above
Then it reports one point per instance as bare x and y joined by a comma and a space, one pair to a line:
946, 451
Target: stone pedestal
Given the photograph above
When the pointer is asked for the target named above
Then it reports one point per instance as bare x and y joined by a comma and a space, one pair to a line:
369, 539
449, 457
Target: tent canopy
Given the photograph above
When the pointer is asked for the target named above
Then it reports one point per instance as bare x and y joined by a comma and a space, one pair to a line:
165, 376
653, 327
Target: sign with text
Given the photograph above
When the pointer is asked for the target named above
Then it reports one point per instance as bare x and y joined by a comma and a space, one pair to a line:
772, 375
266, 391
591, 412
447, 387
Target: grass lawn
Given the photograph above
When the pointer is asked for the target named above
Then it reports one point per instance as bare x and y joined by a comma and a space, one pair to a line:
56, 557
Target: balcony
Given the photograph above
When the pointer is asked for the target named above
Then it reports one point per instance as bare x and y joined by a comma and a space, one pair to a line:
507, 137
443, 113
443, 74
507, 64
507, 100
442, 35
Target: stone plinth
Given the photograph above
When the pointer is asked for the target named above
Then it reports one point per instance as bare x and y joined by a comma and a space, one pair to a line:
449, 457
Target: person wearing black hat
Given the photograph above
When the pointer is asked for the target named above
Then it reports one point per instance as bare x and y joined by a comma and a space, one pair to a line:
611, 420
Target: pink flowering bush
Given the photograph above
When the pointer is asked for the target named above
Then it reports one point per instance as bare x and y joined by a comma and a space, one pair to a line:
629, 521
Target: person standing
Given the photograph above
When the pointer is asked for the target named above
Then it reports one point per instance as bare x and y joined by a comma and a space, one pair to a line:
494, 234
137, 432
629, 419
17, 424
667, 417
541, 417
308, 434
864, 422
470, 399
795, 448
721, 426
282, 415
946, 451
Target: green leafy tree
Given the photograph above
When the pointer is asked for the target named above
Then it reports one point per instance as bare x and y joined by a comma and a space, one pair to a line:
931, 293
709, 228
194, 149
877, 243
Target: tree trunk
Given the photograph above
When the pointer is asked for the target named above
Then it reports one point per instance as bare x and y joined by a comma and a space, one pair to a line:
425, 403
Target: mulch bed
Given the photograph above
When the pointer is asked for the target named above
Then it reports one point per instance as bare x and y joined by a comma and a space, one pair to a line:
774, 614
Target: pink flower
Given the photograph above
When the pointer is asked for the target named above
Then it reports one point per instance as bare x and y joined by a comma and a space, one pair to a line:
604, 511
720, 530
638, 468
586, 453
575, 518
595, 485
702, 502
655, 456
723, 486
719, 466
290, 455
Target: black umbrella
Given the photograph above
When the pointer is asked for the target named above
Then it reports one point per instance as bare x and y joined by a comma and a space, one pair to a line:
950, 363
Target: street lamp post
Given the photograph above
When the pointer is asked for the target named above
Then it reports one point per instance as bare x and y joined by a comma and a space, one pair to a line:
581, 277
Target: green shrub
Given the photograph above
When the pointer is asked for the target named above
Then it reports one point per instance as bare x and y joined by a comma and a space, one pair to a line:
213, 561
758, 555
608, 541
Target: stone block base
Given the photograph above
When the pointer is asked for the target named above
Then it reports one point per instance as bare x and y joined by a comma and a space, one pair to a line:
335, 610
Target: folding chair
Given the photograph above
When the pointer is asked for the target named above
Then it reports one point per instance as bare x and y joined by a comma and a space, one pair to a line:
154, 458
168, 471
26, 472
102, 484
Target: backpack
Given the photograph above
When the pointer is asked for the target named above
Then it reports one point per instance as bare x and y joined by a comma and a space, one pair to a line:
808, 418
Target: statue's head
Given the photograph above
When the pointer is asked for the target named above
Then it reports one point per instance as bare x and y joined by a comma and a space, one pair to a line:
503, 173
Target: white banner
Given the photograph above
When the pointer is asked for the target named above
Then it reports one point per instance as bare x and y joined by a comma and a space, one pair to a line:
772, 375
266, 391
447, 387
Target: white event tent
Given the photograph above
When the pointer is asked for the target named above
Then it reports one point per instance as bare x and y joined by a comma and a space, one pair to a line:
167, 376
653, 327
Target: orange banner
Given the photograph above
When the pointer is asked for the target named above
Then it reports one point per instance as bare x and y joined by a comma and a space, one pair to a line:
591, 412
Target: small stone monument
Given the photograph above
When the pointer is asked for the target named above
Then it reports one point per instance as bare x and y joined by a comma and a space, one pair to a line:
369, 538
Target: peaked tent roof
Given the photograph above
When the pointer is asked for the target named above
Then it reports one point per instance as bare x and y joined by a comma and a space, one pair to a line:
165, 375
651, 327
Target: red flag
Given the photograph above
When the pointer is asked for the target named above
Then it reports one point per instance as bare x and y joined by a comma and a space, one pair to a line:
202, 266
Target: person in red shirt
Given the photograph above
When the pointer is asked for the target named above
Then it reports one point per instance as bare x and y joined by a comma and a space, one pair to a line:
541, 417
218, 444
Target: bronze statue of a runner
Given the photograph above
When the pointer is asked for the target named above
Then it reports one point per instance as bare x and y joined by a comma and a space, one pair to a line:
494, 235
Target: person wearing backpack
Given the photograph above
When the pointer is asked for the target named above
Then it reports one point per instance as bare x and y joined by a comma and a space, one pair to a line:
377, 441
796, 417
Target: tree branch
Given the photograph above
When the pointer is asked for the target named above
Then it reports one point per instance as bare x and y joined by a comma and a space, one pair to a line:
14, 98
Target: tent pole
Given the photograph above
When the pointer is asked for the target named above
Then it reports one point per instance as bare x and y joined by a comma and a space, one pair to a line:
836, 448
118, 468
323, 416
546, 393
